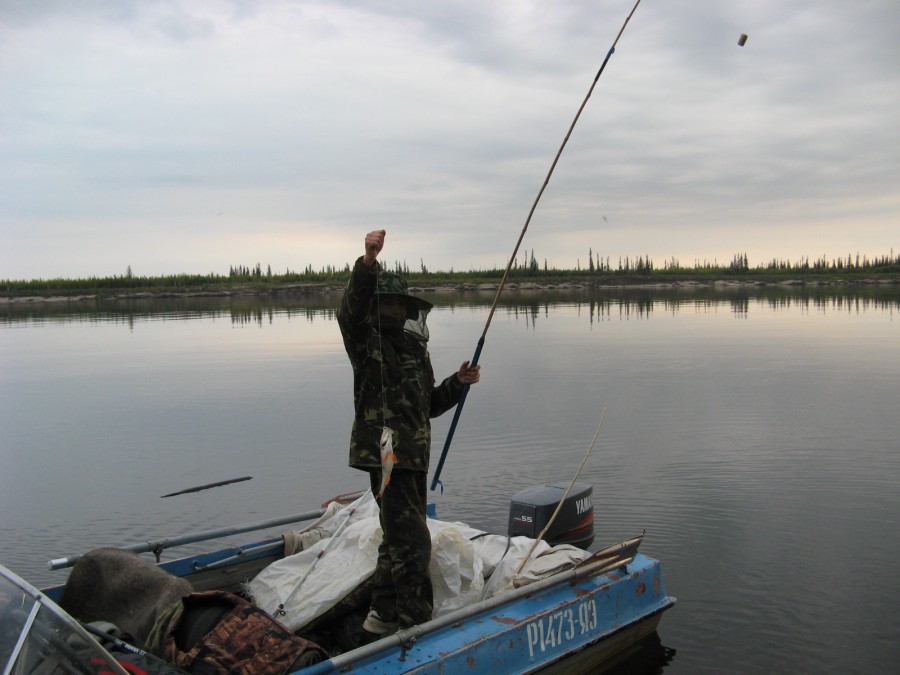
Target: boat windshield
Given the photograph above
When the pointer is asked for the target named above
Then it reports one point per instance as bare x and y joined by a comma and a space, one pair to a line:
39, 638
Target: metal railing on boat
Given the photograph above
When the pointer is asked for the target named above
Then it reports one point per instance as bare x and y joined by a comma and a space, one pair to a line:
159, 545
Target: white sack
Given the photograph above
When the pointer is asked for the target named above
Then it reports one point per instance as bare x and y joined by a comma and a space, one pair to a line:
455, 569
349, 561
462, 559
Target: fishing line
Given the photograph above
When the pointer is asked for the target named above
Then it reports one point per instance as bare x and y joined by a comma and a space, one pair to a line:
462, 399
380, 343
385, 445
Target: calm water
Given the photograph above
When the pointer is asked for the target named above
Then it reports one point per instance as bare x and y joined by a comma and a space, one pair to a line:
753, 436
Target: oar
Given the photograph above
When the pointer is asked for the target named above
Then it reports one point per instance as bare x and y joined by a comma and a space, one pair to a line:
208, 486
462, 399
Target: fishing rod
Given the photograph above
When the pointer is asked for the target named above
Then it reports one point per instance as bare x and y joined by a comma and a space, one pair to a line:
562, 500
351, 511
462, 399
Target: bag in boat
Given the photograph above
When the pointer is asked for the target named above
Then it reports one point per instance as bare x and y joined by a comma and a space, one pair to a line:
455, 570
219, 633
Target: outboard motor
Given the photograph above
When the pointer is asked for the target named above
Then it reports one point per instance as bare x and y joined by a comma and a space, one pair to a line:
532, 508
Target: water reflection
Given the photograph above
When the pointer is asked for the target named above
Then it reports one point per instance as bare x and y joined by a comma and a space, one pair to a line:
261, 315
755, 446
645, 657
599, 304
249, 309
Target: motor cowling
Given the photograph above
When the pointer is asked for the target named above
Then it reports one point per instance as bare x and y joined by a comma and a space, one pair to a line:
532, 508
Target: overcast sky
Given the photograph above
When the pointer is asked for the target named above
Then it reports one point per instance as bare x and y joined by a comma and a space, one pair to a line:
190, 135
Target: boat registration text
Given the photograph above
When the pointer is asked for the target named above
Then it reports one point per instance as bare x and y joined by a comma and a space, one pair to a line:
550, 631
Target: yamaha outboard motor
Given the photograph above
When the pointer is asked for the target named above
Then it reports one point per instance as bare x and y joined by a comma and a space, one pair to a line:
531, 509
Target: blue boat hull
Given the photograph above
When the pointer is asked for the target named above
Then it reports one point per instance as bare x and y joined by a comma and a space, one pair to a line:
569, 623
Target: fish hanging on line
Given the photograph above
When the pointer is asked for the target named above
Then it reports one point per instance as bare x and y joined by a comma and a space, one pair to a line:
388, 458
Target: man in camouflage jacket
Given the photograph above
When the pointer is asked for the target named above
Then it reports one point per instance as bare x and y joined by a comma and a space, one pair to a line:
385, 336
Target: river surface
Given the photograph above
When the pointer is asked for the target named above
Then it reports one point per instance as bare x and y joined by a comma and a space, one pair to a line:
754, 435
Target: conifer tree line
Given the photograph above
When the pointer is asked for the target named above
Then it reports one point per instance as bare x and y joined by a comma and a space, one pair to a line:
526, 265
740, 263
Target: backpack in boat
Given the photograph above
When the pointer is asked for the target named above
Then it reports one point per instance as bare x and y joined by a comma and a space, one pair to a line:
219, 633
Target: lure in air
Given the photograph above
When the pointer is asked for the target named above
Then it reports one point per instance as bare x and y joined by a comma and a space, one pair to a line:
388, 458
742, 40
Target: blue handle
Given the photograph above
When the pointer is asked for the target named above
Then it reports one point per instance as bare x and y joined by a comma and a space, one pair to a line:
459, 407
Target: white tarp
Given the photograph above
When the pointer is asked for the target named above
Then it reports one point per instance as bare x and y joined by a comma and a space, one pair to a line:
466, 564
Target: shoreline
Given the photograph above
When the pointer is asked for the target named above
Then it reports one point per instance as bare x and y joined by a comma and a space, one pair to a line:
484, 287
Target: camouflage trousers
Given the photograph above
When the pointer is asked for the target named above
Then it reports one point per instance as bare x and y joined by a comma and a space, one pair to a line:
402, 585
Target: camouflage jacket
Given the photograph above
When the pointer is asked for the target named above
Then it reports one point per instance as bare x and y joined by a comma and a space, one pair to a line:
410, 397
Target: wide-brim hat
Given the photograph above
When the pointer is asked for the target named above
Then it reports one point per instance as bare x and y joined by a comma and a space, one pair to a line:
391, 283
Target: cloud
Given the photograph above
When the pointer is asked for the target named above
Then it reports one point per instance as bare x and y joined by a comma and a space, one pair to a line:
131, 125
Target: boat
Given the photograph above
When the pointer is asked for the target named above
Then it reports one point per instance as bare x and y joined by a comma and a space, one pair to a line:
565, 609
